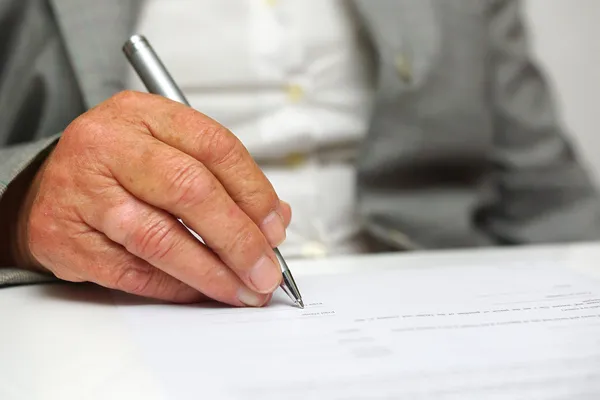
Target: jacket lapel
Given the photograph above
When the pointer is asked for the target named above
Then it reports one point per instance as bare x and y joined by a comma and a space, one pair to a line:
405, 34
94, 32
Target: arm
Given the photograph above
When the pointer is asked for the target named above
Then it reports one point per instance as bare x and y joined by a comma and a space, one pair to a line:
18, 166
38, 98
542, 191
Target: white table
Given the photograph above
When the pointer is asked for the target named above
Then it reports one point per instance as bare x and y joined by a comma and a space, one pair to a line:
69, 342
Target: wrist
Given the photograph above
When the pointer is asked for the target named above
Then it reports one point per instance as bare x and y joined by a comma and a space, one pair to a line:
20, 244
15, 208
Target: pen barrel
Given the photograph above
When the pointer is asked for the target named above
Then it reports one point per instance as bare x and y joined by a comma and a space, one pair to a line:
151, 70
157, 80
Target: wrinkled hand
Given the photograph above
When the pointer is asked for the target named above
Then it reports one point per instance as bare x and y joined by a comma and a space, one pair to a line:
104, 206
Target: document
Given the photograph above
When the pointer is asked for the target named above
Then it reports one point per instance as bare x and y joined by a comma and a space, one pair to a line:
516, 331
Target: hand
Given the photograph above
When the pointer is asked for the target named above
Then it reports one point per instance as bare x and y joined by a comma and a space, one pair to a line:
103, 207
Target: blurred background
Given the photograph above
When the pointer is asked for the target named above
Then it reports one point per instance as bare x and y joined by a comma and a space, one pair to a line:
566, 39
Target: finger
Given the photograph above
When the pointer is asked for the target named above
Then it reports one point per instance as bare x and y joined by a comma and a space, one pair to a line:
229, 161
95, 258
156, 237
286, 212
177, 183
220, 151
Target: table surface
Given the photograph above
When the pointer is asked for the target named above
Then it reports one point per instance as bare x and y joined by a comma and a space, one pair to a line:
70, 342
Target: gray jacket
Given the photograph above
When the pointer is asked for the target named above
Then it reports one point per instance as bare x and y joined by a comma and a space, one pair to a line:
464, 147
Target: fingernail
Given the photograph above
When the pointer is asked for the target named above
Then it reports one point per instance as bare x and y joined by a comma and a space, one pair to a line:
287, 205
265, 275
249, 298
273, 229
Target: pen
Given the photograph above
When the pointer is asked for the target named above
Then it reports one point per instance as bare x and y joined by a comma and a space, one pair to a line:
157, 80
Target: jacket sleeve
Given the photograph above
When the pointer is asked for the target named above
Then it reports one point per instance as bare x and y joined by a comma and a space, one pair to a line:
39, 97
13, 161
541, 190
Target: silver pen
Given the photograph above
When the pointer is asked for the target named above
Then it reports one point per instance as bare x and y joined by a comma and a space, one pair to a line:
157, 80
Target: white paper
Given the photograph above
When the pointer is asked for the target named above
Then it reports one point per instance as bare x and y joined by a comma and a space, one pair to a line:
473, 332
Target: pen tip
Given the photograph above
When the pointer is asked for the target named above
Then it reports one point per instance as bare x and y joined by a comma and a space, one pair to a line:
300, 303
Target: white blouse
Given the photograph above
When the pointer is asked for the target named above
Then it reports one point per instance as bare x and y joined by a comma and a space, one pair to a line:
292, 80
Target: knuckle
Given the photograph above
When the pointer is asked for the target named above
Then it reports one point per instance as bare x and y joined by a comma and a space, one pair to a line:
133, 278
154, 241
85, 141
66, 275
221, 147
190, 186
258, 200
243, 242
211, 276
126, 98
82, 130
